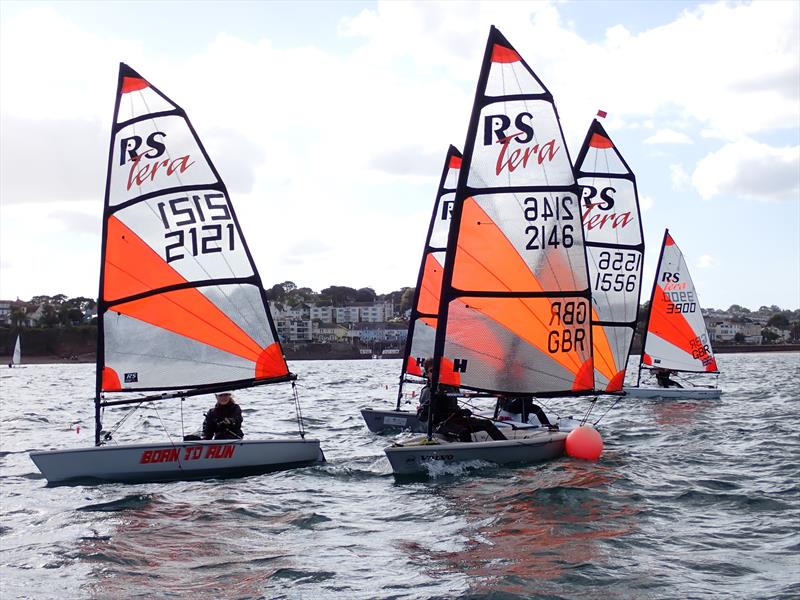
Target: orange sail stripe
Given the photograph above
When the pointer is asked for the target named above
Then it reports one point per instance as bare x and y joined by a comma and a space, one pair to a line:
584, 379
600, 141
110, 382
670, 326
412, 366
447, 373
431, 287
131, 266
616, 383
479, 236
455, 162
131, 84
270, 362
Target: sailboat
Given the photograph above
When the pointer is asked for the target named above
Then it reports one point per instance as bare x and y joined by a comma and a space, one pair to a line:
424, 309
676, 338
514, 314
181, 309
612, 227
16, 358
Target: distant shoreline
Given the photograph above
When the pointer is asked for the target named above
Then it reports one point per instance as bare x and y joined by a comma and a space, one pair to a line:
299, 355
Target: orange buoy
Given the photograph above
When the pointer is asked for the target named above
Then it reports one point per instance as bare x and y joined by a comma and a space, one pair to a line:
585, 443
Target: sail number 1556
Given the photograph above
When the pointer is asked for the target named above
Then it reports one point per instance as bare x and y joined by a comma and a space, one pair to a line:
549, 235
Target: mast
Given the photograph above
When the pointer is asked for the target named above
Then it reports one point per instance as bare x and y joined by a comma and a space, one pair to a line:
423, 316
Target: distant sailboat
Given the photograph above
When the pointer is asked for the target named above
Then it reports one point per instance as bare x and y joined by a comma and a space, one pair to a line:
181, 308
676, 338
514, 314
16, 358
425, 307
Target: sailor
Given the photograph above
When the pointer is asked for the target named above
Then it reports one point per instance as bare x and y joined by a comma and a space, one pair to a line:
519, 408
224, 420
662, 377
448, 418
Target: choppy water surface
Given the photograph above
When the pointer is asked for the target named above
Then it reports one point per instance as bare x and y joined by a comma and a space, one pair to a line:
690, 499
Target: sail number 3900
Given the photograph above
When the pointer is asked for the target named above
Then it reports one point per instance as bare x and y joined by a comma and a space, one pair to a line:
549, 235
192, 230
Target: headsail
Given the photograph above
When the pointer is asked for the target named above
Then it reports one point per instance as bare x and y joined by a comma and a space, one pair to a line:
424, 311
514, 314
16, 358
676, 336
612, 227
181, 304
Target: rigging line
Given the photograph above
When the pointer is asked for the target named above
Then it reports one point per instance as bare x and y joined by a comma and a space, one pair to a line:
298, 412
109, 434
164, 427
607, 410
588, 412
230, 205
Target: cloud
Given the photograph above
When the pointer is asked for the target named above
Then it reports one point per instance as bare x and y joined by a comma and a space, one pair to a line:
680, 178
705, 261
748, 168
668, 136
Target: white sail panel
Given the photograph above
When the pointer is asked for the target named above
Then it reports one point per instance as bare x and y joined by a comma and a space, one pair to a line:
602, 159
519, 143
616, 278
611, 213
154, 155
16, 358
677, 338
193, 232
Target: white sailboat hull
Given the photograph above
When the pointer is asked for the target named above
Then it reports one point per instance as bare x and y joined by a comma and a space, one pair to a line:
687, 393
417, 457
178, 461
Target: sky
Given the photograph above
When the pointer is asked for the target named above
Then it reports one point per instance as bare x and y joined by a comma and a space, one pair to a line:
329, 123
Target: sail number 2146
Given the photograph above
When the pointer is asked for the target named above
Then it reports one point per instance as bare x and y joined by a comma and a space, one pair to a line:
196, 225
549, 234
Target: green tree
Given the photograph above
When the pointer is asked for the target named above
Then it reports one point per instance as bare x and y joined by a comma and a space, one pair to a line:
768, 336
739, 338
780, 321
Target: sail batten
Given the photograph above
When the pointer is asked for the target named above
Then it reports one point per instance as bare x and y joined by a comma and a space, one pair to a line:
181, 304
515, 302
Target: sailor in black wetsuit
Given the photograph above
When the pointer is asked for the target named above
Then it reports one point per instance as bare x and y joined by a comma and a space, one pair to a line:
662, 377
224, 421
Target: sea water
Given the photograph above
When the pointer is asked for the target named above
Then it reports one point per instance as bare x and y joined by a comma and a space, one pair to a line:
690, 499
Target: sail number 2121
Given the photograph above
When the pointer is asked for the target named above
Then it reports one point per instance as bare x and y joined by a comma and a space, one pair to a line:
195, 225
550, 235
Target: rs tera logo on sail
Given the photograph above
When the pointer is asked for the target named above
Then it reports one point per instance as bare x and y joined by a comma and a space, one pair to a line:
128, 150
498, 125
591, 221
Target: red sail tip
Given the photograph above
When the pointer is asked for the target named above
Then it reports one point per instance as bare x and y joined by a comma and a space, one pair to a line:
584, 380
132, 84
270, 363
647, 359
615, 385
712, 366
412, 367
455, 162
448, 374
501, 54
668, 241
110, 380
600, 141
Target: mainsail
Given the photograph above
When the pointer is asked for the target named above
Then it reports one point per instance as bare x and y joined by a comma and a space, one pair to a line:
181, 304
612, 228
514, 314
424, 310
676, 336
16, 358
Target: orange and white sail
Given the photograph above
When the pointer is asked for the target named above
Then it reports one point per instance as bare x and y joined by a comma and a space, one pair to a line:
676, 336
181, 304
515, 308
612, 227
425, 308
